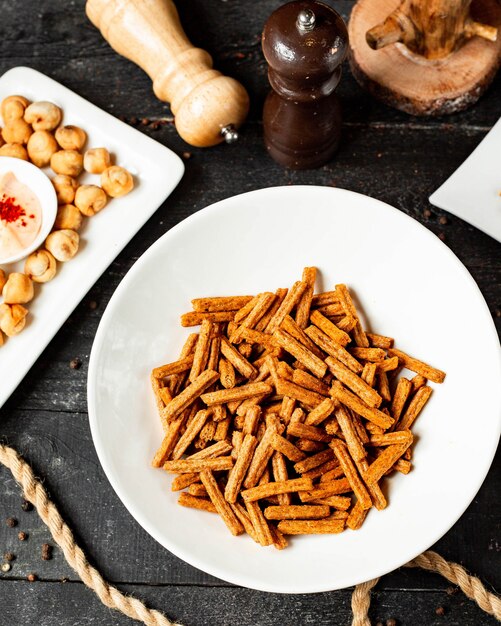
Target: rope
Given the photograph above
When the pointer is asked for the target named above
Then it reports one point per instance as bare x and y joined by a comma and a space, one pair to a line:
111, 597
469, 585
361, 601
35, 493
433, 562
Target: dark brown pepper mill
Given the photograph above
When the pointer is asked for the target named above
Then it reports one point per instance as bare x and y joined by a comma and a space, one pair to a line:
304, 43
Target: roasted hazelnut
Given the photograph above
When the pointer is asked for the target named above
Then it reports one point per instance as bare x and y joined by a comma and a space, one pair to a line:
17, 131
65, 187
3, 278
71, 137
43, 115
69, 162
90, 199
96, 160
63, 244
12, 318
40, 266
68, 216
15, 150
18, 289
13, 107
41, 146
117, 181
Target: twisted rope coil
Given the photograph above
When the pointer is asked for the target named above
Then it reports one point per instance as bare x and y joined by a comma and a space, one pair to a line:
111, 597
470, 585
35, 493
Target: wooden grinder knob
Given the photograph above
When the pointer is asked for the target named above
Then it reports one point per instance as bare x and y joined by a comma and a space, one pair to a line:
208, 106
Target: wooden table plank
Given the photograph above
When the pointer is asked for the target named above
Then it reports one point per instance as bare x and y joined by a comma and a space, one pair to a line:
73, 604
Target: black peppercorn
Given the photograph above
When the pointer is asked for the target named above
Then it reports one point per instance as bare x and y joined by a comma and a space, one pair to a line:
46, 552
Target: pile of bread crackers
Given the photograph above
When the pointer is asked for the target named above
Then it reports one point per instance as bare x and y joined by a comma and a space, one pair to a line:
283, 415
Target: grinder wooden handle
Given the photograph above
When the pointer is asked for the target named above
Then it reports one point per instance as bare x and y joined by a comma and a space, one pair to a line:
207, 105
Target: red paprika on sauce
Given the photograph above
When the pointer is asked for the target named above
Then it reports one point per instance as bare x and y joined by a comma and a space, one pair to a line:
20, 217
10, 211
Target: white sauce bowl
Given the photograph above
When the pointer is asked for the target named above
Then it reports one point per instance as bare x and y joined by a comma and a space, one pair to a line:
40, 184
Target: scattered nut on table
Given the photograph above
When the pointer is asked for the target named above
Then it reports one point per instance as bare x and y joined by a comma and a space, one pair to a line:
18, 289
40, 266
68, 217
69, 162
96, 160
117, 181
43, 115
26, 506
13, 107
71, 137
17, 131
46, 552
90, 199
41, 146
65, 187
63, 244
15, 150
12, 318
3, 278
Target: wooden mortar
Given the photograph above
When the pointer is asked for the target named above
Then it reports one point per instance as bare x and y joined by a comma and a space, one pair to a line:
425, 57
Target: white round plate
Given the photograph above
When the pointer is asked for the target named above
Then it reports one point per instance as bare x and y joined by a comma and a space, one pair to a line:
411, 287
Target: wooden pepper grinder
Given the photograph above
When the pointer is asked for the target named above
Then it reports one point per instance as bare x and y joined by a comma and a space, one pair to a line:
304, 43
208, 106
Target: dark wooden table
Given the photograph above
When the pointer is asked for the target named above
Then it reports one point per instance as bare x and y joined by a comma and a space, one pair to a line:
385, 154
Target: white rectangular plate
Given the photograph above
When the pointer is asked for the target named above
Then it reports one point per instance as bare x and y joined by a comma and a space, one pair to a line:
472, 192
157, 171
